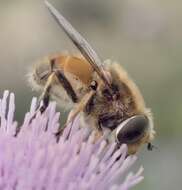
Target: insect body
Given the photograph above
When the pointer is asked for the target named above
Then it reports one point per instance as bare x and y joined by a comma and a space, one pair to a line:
103, 93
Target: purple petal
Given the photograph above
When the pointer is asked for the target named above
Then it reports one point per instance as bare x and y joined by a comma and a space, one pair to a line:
35, 160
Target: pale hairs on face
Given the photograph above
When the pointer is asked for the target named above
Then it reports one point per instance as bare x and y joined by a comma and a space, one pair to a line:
151, 123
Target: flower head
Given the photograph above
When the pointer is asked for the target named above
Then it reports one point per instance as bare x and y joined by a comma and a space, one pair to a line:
34, 159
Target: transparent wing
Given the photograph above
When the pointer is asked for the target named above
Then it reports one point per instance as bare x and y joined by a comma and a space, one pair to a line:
84, 47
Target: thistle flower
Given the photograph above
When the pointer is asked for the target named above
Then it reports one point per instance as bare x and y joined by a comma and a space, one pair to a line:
33, 159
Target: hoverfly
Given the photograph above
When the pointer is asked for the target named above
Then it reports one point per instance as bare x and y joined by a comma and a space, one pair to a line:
101, 91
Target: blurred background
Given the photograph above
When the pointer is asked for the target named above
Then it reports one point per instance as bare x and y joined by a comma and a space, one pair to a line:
145, 36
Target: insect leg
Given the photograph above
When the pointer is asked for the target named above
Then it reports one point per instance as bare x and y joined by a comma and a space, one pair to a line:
45, 97
59, 75
66, 85
80, 107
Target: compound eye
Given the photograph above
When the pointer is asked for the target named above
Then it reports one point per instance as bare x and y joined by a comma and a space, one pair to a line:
132, 129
